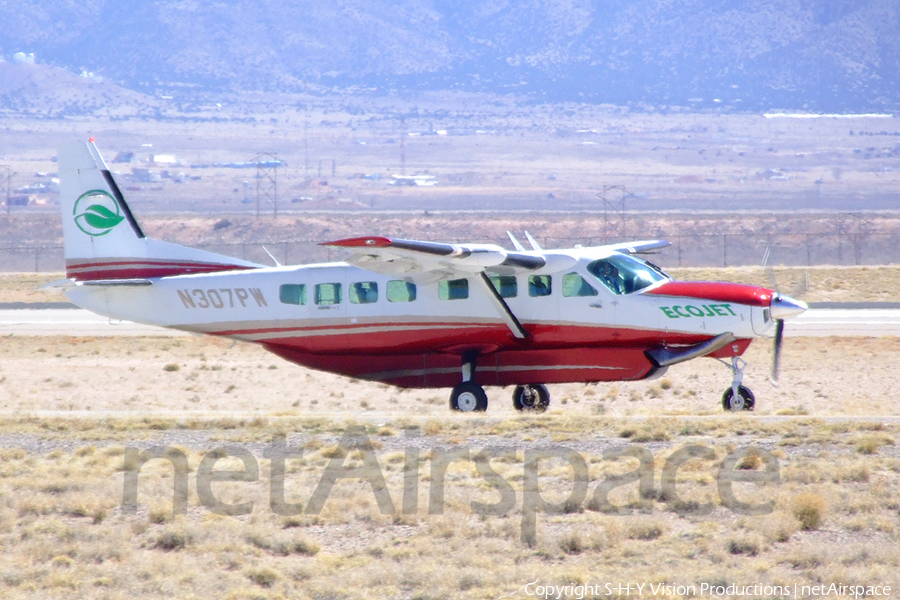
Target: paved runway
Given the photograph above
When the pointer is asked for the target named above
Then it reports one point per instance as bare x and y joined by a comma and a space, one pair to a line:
818, 322
75, 322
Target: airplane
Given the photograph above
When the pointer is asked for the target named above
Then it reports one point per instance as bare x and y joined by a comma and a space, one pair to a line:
419, 314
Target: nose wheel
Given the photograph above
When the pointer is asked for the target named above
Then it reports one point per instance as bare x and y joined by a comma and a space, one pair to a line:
744, 400
737, 397
533, 396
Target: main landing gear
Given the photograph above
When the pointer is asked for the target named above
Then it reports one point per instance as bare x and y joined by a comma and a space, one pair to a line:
468, 396
737, 397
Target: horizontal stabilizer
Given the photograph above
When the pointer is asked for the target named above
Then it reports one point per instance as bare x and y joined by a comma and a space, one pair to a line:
59, 284
117, 282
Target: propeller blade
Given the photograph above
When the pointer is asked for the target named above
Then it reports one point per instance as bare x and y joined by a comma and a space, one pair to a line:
801, 286
770, 272
776, 355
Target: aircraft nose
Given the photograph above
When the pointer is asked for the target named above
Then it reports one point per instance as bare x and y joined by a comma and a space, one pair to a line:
783, 306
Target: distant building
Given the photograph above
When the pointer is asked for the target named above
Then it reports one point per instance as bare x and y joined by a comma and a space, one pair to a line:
143, 176
410, 180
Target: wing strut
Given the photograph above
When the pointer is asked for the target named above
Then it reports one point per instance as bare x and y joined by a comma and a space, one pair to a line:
500, 304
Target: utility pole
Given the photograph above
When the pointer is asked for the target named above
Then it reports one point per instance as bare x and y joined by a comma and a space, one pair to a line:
614, 218
8, 179
267, 180
402, 146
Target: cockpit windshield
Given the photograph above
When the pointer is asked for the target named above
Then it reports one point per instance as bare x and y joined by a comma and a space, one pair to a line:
624, 274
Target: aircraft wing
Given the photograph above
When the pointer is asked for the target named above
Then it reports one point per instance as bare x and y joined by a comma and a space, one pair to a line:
435, 260
639, 247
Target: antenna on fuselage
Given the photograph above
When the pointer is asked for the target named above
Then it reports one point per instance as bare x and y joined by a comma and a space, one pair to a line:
534, 245
275, 260
515, 242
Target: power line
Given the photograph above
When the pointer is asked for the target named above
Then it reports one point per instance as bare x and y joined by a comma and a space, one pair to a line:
614, 215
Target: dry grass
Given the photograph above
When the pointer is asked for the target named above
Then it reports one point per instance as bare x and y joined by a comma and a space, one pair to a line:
23, 287
809, 510
821, 377
812, 284
53, 549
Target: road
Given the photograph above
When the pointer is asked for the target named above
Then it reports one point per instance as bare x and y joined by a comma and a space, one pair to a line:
75, 322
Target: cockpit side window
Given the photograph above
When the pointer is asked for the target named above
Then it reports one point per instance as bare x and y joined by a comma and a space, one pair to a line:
624, 274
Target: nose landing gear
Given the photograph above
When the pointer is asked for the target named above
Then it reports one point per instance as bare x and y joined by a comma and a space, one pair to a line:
737, 397
534, 397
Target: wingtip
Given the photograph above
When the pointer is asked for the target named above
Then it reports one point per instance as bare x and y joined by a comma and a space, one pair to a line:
360, 242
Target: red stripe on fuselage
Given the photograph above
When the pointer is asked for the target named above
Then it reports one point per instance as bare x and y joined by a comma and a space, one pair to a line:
386, 338
131, 269
138, 261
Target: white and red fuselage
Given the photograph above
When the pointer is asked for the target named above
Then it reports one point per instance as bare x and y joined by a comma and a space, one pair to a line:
420, 343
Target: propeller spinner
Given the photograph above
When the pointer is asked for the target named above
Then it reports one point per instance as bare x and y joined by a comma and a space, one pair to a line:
781, 308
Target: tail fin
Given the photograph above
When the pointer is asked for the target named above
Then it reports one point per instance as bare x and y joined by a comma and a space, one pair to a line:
101, 236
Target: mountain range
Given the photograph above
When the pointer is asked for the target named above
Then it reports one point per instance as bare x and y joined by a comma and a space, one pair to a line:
815, 55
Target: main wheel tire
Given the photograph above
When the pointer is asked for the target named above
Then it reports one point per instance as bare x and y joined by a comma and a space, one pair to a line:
745, 401
534, 397
468, 397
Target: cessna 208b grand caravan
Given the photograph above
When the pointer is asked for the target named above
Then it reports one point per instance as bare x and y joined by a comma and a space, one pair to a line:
418, 314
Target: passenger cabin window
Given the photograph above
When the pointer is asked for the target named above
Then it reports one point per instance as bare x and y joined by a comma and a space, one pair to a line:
328, 293
506, 286
539, 285
364, 292
454, 289
401, 291
624, 274
574, 284
292, 293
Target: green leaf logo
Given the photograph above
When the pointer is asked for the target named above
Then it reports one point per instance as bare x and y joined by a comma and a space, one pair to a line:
96, 212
